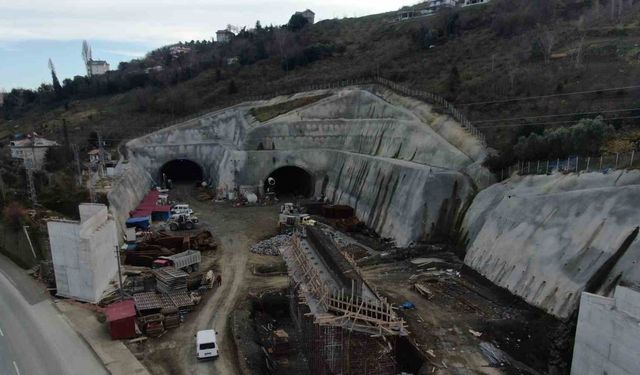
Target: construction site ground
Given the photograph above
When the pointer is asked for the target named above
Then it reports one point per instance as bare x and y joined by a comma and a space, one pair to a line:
465, 326
235, 229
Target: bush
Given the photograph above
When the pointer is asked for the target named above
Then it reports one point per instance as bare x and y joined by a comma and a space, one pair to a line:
14, 215
584, 139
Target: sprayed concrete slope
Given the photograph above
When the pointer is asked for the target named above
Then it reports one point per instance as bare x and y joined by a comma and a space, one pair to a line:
128, 190
549, 238
407, 170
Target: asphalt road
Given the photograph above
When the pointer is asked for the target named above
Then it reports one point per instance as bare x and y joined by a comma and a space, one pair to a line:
34, 336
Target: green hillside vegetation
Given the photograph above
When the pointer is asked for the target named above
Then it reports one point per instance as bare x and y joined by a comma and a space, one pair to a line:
481, 58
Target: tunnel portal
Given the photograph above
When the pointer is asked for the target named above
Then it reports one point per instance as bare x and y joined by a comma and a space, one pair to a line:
291, 181
182, 170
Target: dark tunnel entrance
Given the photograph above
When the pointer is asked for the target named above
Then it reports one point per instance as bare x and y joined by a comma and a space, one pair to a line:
181, 170
290, 181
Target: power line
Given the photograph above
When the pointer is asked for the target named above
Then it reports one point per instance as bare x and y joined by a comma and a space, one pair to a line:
557, 115
548, 123
550, 96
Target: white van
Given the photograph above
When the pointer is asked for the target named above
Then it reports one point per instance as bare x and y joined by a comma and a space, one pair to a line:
181, 209
206, 345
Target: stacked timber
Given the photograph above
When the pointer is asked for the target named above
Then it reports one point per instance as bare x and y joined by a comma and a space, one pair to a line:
169, 279
171, 317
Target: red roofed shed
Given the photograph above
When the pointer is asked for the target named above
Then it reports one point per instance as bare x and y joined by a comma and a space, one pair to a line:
121, 319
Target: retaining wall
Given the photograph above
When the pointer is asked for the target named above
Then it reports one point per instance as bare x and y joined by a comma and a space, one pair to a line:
549, 238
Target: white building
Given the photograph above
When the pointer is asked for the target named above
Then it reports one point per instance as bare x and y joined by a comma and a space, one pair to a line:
83, 253
608, 334
224, 36
474, 2
94, 156
309, 15
97, 67
177, 51
32, 150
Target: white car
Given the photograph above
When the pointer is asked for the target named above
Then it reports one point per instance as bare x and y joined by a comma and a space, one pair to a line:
181, 209
206, 344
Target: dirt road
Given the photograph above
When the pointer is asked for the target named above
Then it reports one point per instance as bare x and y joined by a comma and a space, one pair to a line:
236, 230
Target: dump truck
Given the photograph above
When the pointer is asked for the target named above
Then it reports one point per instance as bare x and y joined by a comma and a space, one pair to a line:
292, 216
187, 261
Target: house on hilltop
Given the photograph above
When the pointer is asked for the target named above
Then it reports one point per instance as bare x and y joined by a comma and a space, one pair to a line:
425, 8
308, 14
474, 2
32, 150
97, 67
178, 50
224, 36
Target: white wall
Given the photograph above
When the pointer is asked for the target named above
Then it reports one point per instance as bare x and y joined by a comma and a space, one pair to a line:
544, 238
83, 253
393, 159
608, 334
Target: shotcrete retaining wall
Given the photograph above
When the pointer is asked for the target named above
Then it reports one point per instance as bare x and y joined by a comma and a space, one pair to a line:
128, 190
362, 146
549, 238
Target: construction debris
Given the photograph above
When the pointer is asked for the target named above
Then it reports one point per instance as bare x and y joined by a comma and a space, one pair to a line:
423, 290
272, 246
475, 333
169, 280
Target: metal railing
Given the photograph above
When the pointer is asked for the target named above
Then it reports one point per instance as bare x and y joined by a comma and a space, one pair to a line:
575, 164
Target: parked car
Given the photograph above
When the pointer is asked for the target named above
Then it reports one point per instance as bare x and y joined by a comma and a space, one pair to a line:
206, 344
181, 209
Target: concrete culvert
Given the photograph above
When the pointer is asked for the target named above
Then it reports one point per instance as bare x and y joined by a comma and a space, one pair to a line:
291, 181
182, 170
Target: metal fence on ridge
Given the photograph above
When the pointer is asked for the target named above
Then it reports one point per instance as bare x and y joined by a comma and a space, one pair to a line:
574, 164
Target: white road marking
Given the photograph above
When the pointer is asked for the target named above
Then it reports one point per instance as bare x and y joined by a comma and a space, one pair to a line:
1, 333
15, 366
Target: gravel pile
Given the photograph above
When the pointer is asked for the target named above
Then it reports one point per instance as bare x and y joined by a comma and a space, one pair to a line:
272, 245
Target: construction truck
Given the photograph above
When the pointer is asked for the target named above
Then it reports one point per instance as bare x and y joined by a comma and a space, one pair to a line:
291, 216
187, 261
182, 222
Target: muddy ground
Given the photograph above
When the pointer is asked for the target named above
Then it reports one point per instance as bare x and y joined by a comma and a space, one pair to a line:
235, 230
468, 325
465, 326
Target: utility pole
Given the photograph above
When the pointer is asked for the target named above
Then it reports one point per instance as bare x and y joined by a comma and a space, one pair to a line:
101, 156
77, 160
26, 233
29, 164
119, 273
32, 188
3, 191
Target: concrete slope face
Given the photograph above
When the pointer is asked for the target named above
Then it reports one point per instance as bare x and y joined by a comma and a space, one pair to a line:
406, 173
549, 238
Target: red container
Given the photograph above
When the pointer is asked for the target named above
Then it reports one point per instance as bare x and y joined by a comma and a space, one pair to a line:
121, 320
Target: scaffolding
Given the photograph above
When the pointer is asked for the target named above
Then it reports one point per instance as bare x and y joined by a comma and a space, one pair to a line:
343, 332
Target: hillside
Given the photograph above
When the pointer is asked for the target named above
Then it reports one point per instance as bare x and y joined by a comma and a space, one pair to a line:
480, 58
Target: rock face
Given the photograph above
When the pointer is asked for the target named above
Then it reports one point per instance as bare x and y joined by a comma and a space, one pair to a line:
549, 238
406, 170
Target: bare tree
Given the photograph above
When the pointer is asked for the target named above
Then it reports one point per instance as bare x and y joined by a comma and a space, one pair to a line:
513, 68
282, 40
578, 58
547, 40
86, 52
233, 28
